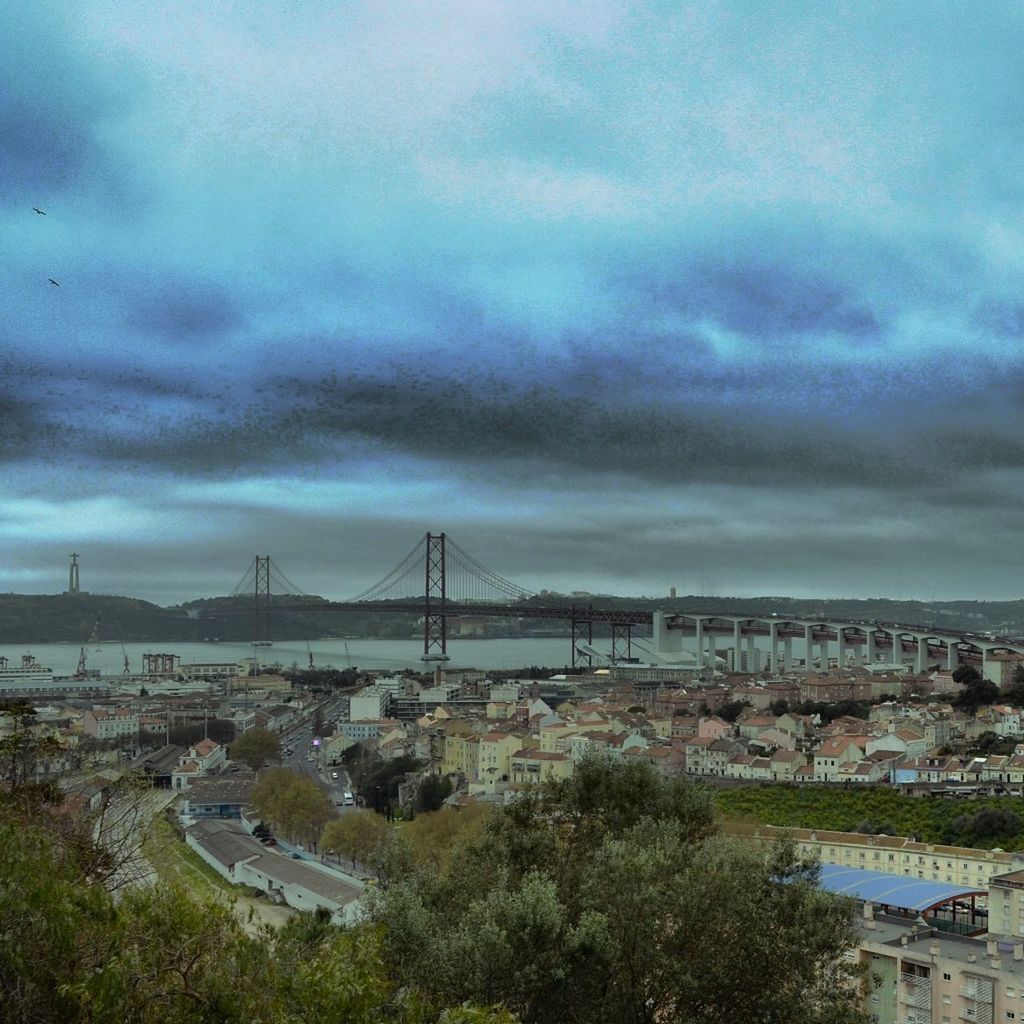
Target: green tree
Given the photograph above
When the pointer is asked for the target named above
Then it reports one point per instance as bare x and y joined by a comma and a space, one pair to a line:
256, 748
356, 835
292, 804
432, 792
582, 902
977, 692
70, 955
732, 710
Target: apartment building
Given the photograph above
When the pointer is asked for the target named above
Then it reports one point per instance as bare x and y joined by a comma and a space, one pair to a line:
926, 976
957, 865
112, 724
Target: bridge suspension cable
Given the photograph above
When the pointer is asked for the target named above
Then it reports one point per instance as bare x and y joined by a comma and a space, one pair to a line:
476, 581
388, 587
281, 584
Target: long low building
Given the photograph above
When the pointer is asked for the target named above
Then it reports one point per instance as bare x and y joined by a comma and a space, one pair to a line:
230, 850
933, 862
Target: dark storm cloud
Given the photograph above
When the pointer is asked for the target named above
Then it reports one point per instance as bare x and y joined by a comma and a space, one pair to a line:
185, 313
766, 301
715, 276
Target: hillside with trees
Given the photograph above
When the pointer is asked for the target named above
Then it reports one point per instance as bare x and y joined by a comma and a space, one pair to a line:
72, 618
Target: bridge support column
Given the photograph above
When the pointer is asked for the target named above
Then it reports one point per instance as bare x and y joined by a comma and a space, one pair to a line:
921, 661
582, 629
622, 641
809, 645
737, 642
984, 663
698, 632
839, 646
897, 649
751, 653
787, 654
952, 655
773, 646
872, 650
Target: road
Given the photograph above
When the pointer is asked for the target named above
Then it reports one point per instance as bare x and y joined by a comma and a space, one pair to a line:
305, 758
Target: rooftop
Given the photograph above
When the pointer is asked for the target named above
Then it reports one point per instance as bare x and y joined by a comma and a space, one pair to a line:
891, 890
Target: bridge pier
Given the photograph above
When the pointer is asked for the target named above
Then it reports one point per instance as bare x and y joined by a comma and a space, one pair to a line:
839, 647
622, 641
751, 652
952, 655
698, 632
582, 630
921, 661
872, 649
809, 648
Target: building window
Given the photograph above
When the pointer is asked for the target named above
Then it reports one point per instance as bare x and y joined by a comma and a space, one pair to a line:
946, 977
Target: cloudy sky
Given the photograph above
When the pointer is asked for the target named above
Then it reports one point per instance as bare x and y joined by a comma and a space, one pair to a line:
622, 296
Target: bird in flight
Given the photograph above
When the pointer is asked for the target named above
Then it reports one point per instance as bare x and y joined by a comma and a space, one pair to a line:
42, 213
55, 283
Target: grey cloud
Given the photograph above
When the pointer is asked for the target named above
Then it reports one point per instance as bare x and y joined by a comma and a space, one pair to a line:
185, 312
53, 102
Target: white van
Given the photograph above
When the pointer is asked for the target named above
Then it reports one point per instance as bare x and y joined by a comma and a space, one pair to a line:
349, 799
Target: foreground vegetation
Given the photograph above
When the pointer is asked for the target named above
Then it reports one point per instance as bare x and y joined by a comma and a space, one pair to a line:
606, 899
611, 898
70, 952
985, 822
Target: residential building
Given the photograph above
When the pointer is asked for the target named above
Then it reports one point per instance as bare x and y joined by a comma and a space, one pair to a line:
533, 766
114, 723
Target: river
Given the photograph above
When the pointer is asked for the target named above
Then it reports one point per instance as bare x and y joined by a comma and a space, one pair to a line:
500, 653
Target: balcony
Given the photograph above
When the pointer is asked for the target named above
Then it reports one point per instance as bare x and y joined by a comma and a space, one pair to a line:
916, 991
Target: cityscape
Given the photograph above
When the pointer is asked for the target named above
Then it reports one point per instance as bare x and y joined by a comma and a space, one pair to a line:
511, 513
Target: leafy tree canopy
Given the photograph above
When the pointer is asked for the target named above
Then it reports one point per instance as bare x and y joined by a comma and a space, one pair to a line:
256, 747
607, 898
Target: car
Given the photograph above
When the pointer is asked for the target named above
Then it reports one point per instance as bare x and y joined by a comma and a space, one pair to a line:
268, 841
296, 856
334, 775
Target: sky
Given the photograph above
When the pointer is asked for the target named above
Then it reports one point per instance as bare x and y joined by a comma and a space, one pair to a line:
720, 296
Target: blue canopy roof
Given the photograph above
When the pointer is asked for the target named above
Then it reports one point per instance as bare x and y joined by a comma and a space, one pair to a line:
892, 890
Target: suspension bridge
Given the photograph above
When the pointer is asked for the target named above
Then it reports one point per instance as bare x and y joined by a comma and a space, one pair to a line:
439, 581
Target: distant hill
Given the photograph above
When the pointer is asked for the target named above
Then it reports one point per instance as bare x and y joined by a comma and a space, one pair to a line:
53, 618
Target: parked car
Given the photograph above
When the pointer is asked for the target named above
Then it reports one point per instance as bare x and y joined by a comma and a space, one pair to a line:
268, 841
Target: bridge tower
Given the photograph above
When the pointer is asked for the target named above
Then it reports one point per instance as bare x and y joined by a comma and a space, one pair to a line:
261, 625
73, 586
435, 601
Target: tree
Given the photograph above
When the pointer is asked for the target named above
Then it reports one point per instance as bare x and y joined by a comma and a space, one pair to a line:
779, 707
256, 747
976, 692
1013, 693
577, 903
432, 792
292, 804
356, 835
27, 757
158, 956
732, 710
376, 779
